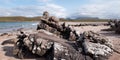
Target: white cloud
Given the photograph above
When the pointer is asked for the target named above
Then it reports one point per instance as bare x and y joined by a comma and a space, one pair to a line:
31, 11
101, 9
56, 10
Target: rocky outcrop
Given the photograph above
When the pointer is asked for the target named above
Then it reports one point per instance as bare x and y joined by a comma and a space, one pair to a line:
97, 49
53, 47
90, 46
38, 45
52, 25
96, 45
64, 52
115, 26
3, 34
9, 41
60, 42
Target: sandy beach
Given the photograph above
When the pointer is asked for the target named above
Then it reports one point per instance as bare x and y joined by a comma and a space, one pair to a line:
6, 50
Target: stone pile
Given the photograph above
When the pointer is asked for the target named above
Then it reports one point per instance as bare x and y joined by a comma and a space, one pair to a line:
52, 25
96, 45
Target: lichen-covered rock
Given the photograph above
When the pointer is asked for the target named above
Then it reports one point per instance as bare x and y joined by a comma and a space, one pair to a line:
97, 49
60, 51
52, 47
38, 45
95, 44
96, 38
64, 52
52, 25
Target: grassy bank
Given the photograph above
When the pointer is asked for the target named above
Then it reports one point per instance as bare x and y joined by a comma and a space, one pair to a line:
18, 19
23, 19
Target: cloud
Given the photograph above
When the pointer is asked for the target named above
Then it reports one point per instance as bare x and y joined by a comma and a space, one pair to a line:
56, 10
31, 11
45, 1
101, 9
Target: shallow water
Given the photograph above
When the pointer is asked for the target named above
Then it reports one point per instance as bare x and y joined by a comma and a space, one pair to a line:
10, 26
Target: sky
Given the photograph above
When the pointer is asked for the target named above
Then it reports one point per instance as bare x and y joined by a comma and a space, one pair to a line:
104, 9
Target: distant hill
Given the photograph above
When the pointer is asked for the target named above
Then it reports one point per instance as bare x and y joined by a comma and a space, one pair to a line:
21, 18
18, 18
79, 17
84, 20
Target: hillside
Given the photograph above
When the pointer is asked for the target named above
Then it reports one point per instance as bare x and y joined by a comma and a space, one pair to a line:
18, 18
21, 18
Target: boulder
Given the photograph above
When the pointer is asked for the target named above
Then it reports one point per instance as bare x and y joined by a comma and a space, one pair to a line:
46, 44
97, 49
52, 25
96, 38
9, 41
95, 44
64, 52
115, 25
38, 45
3, 34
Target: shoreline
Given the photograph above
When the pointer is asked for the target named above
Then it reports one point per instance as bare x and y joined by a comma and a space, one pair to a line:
14, 26
114, 38
67, 23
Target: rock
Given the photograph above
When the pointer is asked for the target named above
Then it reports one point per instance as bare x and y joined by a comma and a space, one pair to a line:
20, 29
95, 44
38, 45
54, 20
9, 41
73, 36
45, 16
60, 50
52, 25
117, 30
3, 34
50, 46
115, 25
66, 53
97, 49
96, 38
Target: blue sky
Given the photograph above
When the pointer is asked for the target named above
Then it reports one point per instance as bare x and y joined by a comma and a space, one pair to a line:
61, 8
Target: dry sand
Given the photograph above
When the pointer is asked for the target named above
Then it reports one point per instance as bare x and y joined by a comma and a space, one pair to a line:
6, 50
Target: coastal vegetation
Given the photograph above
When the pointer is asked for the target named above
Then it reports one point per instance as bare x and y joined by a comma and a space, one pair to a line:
23, 19
18, 19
